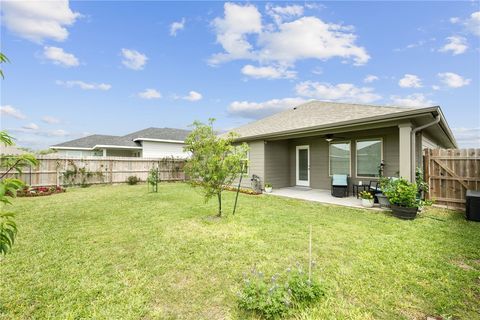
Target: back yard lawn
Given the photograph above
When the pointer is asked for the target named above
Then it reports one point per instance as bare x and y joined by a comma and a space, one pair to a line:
118, 252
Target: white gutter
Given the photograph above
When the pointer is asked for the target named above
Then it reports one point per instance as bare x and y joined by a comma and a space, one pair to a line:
413, 143
158, 140
95, 147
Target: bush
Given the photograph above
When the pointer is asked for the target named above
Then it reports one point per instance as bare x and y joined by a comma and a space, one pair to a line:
132, 180
403, 193
276, 297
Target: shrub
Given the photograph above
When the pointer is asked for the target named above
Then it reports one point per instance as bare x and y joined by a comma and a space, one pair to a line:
275, 297
132, 180
403, 193
268, 185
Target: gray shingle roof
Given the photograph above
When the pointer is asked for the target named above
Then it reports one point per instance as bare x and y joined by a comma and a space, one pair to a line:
314, 114
97, 139
159, 133
127, 140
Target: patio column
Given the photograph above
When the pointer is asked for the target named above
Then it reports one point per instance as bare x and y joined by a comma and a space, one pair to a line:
104, 152
405, 150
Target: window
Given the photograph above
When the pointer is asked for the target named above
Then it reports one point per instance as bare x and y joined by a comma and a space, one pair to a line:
339, 154
369, 157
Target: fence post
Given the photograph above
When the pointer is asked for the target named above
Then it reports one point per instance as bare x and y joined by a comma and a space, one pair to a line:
426, 171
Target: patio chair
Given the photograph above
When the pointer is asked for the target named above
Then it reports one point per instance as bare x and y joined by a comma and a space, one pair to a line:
340, 185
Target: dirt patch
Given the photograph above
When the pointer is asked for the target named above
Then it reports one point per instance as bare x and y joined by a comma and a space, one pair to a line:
462, 265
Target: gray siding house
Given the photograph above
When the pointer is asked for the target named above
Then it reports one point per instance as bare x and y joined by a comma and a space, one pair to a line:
305, 145
147, 143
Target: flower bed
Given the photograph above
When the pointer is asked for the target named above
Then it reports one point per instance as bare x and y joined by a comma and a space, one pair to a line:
39, 191
242, 190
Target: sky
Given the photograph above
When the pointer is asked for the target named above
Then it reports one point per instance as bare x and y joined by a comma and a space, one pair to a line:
113, 67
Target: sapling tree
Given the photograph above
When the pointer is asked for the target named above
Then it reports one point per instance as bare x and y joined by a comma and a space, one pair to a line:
215, 161
8, 189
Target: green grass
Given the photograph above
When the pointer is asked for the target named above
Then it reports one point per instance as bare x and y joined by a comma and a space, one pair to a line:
118, 252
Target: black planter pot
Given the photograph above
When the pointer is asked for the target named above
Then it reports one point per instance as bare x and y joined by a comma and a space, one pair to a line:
404, 212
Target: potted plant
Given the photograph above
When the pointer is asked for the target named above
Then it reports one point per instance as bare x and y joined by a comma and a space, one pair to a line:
403, 199
268, 187
385, 185
367, 199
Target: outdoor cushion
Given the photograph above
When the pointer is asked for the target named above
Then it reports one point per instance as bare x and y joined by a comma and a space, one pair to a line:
339, 180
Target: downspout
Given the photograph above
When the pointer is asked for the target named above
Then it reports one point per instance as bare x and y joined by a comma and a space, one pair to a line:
413, 142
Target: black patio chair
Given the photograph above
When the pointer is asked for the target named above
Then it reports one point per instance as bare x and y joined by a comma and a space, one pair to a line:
340, 185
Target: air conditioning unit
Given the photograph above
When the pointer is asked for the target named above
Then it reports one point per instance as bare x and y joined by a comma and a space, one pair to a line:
472, 208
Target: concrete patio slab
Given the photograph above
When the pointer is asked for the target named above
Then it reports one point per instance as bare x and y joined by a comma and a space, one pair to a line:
320, 195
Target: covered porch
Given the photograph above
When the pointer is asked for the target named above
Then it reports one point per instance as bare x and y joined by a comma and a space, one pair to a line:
319, 195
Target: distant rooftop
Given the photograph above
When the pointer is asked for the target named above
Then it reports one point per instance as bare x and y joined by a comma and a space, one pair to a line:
126, 140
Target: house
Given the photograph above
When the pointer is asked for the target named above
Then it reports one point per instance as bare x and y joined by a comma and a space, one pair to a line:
307, 144
147, 143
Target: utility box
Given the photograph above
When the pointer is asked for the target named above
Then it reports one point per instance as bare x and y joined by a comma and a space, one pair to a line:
472, 208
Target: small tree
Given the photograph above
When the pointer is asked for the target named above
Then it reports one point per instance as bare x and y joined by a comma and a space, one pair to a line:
8, 189
215, 162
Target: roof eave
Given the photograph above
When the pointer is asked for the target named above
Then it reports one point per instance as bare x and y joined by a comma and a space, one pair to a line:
382, 118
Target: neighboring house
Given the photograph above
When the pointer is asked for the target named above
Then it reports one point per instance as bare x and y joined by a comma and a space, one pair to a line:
147, 143
305, 145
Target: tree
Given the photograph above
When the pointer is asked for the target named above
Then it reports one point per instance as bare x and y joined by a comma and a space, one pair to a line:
3, 59
215, 161
8, 189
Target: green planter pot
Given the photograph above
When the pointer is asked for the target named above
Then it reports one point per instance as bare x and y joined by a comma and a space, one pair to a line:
404, 212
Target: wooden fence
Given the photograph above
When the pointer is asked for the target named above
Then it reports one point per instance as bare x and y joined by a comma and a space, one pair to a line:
55, 170
449, 173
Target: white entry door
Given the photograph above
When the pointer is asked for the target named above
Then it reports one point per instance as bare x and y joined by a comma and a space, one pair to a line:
303, 166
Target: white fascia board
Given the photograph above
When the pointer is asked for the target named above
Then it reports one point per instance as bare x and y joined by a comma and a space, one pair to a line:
114, 147
95, 147
158, 140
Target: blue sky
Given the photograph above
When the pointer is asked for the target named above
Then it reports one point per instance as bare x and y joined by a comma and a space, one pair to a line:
84, 67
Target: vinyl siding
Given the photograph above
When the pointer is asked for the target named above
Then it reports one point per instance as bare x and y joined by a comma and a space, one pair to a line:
319, 160
277, 163
153, 149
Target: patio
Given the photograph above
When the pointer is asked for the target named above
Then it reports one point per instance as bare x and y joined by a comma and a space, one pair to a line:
319, 195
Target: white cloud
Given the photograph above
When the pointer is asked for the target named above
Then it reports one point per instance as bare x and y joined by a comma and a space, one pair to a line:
473, 23
133, 59
454, 20
39, 20
410, 81
256, 110
150, 94
269, 72
342, 92
57, 133
177, 26
31, 126
84, 85
279, 13
60, 57
193, 96
50, 120
453, 80
8, 110
455, 44
284, 43
232, 31
414, 100
467, 137
435, 87
370, 78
